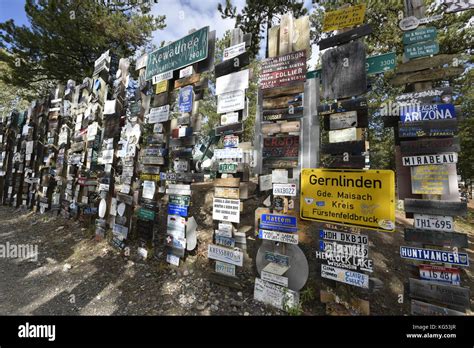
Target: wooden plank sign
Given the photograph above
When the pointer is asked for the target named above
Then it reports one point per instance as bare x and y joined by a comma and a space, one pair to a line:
232, 65
226, 210
351, 147
440, 238
227, 182
423, 206
421, 49
419, 35
227, 192
283, 102
433, 255
286, 146
283, 70
345, 161
423, 308
433, 222
284, 127
430, 146
346, 36
442, 293
344, 72
426, 75
237, 81
434, 179
440, 274
437, 128
343, 120
343, 106
344, 135
344, 18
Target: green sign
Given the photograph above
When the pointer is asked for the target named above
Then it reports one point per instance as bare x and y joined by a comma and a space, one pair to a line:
421, 49
228, 167
419, 35
146, 214
380, 63
314, 74
179, 200
183, 52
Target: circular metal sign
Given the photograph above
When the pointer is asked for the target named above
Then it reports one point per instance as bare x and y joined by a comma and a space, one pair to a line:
298, 272
409, 23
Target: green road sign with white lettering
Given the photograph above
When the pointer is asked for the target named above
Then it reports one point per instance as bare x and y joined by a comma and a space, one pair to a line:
419, 35
183, 52
381, 63
421, 49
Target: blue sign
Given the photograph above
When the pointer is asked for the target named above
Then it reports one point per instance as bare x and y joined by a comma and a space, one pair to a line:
186, 99
413, 112
180, 210
283, 223
434, 255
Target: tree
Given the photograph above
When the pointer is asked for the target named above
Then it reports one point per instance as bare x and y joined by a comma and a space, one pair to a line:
66, 37
256, 16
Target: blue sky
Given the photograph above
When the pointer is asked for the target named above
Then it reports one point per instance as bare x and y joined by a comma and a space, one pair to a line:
181, 16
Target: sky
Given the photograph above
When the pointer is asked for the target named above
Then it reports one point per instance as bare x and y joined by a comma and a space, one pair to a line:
181, 16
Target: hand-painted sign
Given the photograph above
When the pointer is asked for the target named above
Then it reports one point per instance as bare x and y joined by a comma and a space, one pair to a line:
343, 120
226, 210
344, 237
440, 274
381, 63
419, 35
343, 135
274, 278
440, 256
283, 70
434, 179
423, 308
286, 146
231, 101
441, 293
442, 158
220, 253
344, 18
427, 112
284, 223
436, 128
345, 276
275, 295
433, 222
185, 100
183, 52
355, 197
282, 237
421, 49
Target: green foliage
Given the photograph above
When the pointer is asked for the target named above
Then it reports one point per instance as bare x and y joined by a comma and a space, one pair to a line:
257, 16
66, 37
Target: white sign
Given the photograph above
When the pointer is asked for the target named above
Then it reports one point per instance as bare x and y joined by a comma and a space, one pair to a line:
274, 278
275, 295
188, 71
167, 75
228, 153
172, 259
345, 276
284, 190
226, 210
265, 182
280, 176
343, 120
234, 51
344, 237
230, 101
348, 134
225, 226
220, 253
229, 118
433, 222
283, 237
223, 233
175, 191
232, 82
225, 268
177, 223
181, 166
141, 62
159, 114
148, 189
420, 160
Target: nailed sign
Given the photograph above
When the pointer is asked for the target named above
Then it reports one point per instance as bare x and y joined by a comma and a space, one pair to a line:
284, 223
345, 276
344, 18
183, 52
419, 35
287, 146
442, 158
436, 128
433, 222
440, 274
381, 63
237, 81
434, 179
159, 114
275, 295
231, 101
421, 49
220, 253
226, 210
355, 197
283, 70
427, 112
282, 237
412, 253
185, 100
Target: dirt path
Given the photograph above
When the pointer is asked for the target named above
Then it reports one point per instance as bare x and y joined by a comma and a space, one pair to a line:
75, 275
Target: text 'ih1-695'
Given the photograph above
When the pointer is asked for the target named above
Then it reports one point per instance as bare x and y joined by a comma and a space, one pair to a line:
323, 167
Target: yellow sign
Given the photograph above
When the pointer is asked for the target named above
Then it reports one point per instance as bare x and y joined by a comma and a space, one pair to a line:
344, 18
161, 87
150, 177
364, 198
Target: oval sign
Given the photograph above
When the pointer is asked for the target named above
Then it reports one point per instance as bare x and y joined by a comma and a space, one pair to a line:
409, 23
121, 209
102, 208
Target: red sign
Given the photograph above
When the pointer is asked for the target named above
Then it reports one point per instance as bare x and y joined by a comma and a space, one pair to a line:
281, 146
283, 70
